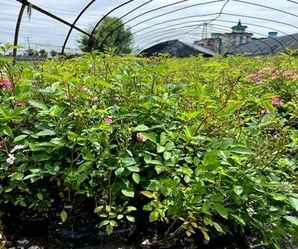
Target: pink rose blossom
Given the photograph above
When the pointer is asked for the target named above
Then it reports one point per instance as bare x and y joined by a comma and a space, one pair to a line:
108, 120
272, 73
6, 84
276, 101
141, 137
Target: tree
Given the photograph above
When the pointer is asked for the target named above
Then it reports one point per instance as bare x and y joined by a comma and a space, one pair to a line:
53, 53
31, 52
43, 53
111, 33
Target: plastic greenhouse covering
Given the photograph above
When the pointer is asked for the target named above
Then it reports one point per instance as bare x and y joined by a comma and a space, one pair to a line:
57, 25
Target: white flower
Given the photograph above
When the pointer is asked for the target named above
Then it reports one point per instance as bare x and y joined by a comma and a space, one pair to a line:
17, 147
146, 242
10, 160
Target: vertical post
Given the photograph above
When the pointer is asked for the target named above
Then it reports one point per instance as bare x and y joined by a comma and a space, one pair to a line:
17, 31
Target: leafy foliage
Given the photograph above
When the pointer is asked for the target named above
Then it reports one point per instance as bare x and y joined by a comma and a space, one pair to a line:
191, 143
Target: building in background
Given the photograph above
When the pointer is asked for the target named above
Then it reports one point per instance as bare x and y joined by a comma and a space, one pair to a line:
222, 43
266, 46
177, 48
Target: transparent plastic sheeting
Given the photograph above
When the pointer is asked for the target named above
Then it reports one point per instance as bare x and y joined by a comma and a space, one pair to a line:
151, 21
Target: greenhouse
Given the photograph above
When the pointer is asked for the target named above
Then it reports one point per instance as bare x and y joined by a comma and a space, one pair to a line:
149, 124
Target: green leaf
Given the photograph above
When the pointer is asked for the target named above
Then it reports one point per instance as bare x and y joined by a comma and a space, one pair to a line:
133, 169
56, 111
104, 223
149, 194
160, 149
170, 146
279, 197
136, 178
239, 219
238, 190
40, 196
150, 161
120, 216
163, 138
98, 209
141, 128
151, 136
113, 223
154, 185
63, 216
131, 209
119, 171
158, 169
128, 161
46, 132
217, 227
294, 203
109, 229
38, 105
292, 219
130, 218
205, 233
222, 211
20, 138
128, 193
154, 216
211, 159
188, 133
167, 155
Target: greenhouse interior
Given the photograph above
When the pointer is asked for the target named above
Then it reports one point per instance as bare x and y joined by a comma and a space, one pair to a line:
148, 124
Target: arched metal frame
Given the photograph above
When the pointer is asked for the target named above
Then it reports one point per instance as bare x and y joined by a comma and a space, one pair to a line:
17, 32
26, 3
74, 23
219, 14
221, 26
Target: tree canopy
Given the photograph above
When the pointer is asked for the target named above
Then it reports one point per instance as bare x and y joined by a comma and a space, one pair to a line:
110, 34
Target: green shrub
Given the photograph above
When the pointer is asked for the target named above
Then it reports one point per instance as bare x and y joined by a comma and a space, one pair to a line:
191, 143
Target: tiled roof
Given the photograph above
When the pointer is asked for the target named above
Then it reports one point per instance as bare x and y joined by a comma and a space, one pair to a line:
177, 48
267, 46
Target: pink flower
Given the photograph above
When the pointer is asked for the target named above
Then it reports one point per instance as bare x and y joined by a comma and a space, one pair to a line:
108, 120
6, 84
255, 78
141, 137
276, 101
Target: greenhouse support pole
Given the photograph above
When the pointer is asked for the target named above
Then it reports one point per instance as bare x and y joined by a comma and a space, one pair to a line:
74, 23
17, 31
52, 16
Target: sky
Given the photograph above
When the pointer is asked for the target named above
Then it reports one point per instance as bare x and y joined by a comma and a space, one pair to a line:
151, 21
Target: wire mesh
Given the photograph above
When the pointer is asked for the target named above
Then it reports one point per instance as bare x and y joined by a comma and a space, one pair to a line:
58, 26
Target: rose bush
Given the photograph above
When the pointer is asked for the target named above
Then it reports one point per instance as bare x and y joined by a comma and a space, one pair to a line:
191, 144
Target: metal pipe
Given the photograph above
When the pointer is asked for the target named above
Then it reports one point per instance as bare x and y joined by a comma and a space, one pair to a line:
17, 32
25, 2
74, 23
